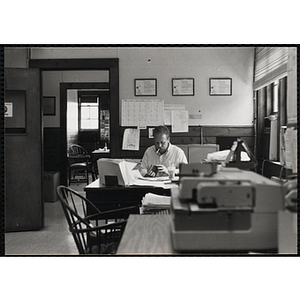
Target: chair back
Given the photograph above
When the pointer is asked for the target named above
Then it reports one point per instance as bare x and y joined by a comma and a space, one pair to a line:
94, 170
77, 150
81, 205
94, 232
71, 202
78, 162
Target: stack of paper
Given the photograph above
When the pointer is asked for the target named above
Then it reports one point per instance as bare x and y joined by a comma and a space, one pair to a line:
152, 203
123, 170
220, 156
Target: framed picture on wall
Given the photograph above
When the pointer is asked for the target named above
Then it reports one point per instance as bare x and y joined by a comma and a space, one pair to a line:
183, 87
220, 86
145, 87
49, 106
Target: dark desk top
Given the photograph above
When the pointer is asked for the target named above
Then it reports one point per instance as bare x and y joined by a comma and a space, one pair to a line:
147, 235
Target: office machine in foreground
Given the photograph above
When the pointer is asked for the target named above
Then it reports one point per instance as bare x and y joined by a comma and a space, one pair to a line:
229, 210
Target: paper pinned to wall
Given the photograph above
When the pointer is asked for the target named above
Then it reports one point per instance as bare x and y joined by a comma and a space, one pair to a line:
142, 112
168, 108
131, 139
180, 120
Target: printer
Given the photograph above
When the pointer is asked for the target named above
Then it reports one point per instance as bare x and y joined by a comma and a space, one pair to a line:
224, 210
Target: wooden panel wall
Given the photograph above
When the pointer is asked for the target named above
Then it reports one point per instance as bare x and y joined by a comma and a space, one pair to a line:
24, 208
210, 135
51, 149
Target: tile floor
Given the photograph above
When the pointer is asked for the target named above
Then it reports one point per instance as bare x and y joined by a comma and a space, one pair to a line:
53, 239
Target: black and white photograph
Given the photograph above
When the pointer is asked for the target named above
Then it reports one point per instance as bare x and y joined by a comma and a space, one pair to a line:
164, 164
222, 183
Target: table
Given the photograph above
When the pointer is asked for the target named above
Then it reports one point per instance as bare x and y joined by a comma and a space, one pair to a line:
147, 235
96, 154
109, 198
151, 235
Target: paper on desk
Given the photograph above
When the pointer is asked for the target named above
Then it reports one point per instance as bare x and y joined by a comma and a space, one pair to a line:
131, 139
159, 184
154, 200
141, 182
159, 178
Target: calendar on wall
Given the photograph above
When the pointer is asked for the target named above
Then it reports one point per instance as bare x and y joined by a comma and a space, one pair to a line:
142, 112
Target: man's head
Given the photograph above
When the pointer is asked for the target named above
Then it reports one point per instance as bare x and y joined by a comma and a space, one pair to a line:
161, 138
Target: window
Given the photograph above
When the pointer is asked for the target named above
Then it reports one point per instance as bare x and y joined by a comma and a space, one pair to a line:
88, 112
94, 118
270, 90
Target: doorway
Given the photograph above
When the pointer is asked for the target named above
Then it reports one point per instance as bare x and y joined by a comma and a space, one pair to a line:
93, 119
112, 65
65, 136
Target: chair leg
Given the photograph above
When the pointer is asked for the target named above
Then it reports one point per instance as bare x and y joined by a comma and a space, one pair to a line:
69, 177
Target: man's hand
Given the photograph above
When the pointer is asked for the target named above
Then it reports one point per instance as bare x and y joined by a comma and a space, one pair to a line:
152, 171
162, 170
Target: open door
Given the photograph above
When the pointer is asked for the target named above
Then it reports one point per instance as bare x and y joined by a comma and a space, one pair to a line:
24, 209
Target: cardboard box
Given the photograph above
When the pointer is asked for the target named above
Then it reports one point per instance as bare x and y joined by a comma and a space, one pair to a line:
51, 182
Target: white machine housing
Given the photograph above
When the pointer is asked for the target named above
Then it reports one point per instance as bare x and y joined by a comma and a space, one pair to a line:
231, 211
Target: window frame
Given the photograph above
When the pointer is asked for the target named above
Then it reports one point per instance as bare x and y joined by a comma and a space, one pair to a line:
80, 119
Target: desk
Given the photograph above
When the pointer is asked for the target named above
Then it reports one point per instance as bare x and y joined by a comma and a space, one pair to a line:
148, 235
151, 235
96, 154
108, 198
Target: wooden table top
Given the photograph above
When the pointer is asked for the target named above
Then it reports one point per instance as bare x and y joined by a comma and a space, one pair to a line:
147, 235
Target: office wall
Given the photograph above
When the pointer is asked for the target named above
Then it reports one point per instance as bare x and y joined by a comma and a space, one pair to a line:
16, 57
51, 87
170, 62
167, 63
200, 64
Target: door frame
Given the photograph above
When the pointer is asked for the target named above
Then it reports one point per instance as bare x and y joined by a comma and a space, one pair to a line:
64, 87
110, 64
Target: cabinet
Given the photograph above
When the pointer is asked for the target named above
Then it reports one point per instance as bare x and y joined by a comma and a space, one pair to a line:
195, 153
51, 182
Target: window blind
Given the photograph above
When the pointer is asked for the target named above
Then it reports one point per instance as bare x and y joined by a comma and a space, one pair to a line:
270, 63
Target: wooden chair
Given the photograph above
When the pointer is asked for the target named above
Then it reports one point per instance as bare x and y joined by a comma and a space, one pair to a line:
94, 232
78, 162
94, 170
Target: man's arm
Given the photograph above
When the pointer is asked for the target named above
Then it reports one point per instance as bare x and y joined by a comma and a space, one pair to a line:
145, 166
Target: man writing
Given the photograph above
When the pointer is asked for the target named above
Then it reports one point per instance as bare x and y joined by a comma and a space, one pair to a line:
161, 155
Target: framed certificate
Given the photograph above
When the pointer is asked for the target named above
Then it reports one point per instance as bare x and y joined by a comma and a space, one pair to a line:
220, 86
183, 86
145, 87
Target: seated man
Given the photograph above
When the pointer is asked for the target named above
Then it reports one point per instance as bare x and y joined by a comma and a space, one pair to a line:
161, 155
